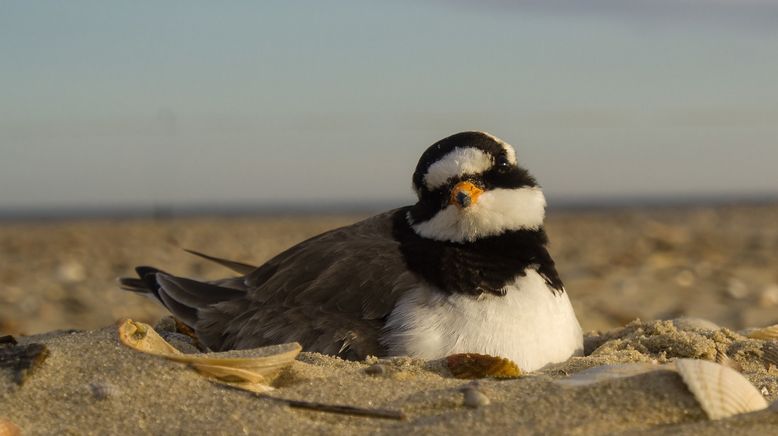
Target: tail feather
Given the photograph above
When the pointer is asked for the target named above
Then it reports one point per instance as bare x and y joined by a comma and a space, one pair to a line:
148, 274
133, 284
238, 267
182, 297
181, 311
193, 293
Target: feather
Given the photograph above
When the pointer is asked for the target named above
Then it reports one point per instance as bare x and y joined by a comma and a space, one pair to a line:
238, 267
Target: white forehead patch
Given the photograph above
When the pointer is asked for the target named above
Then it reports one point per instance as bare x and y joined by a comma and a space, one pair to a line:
457, 162
495, 212
510, 153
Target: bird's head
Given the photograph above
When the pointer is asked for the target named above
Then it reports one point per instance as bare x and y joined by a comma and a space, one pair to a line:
470, 186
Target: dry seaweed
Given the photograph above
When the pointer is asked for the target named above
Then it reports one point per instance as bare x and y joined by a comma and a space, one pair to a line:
22, 360
473, 365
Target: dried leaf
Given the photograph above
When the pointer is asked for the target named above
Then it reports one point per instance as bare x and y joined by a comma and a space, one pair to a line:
472, 365
23, 360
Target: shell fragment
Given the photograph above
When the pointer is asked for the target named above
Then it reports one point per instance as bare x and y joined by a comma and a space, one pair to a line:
254, 370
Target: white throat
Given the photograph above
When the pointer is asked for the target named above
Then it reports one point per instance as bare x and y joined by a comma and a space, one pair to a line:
495, 212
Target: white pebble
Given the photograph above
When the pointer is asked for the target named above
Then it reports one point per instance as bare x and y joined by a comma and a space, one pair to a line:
769, 296
685, 278
474, 398
71, 272
737, 289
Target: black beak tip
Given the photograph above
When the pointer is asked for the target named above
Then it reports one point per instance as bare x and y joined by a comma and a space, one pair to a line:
463, 199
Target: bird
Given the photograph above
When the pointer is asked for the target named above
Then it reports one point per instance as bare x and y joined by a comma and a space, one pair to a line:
465, 269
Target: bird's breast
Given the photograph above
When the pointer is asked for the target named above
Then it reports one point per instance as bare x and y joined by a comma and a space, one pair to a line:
530, 324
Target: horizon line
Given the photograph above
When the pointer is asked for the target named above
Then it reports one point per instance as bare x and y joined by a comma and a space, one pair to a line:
354, 207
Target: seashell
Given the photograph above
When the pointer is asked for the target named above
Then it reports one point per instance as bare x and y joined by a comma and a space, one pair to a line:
253, 372
473, 398
603, 373
722, 392
472, 365
764, 333
103, 391
8, 428
770, 353
691, 323
723, 359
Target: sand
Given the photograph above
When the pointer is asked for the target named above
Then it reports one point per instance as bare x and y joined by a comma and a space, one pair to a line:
617, 265
718, 264
91, 384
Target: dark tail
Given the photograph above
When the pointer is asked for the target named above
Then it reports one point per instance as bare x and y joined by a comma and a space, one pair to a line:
182, 297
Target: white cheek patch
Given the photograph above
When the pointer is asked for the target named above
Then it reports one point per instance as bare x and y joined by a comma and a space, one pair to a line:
458, 162
495, 212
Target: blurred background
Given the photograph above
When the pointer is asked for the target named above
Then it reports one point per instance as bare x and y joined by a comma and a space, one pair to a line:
129, 130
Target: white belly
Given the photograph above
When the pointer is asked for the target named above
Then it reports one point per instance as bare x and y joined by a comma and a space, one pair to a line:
530, 325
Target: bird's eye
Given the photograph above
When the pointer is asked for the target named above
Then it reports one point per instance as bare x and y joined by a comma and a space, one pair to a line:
502, 164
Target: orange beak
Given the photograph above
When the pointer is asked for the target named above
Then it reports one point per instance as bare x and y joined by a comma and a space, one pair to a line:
464, 194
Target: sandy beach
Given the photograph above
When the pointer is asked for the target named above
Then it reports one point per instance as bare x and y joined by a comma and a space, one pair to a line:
91, 384
718, 264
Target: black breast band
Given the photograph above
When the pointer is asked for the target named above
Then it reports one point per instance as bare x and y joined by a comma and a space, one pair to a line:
486, 265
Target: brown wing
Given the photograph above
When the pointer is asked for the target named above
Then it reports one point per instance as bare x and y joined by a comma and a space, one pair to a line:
330, 293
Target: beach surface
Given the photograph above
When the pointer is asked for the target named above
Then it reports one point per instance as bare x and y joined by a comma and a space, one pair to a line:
92, 384
718, 264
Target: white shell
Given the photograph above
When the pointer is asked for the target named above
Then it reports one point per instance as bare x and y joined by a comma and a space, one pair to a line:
722, 392
722, 358
608, 372
691, 323
764, 333
770, 353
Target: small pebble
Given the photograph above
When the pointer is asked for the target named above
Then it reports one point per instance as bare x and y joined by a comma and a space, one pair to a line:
474, 398
71, 272
376, 369
737, 289
685, 278
764, 391
769, 296
166, 324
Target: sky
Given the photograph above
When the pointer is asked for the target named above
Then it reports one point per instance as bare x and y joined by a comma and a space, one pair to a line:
189, 103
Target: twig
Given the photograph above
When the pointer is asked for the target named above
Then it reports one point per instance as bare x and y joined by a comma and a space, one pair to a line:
346, 410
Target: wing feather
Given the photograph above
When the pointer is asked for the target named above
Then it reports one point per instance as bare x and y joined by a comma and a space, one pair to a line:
329, 293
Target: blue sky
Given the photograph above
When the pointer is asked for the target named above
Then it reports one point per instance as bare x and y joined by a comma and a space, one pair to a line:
107, 104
